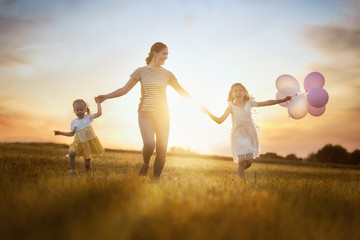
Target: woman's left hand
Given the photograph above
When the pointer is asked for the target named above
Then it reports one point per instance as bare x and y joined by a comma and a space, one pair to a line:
100, 98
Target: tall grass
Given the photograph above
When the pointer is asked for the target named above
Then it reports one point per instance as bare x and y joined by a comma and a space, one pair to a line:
194, 199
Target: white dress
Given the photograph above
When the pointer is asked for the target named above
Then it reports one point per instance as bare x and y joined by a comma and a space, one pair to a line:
244, 133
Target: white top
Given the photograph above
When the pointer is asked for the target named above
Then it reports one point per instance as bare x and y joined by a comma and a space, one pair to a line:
78, 124
244, 134
153, 88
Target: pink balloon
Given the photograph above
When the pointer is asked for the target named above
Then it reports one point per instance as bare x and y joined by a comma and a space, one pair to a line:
279, 96
316, 112
317, 97
313, 80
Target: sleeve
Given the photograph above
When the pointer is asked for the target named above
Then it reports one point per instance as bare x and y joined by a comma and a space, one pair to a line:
136, 74
73, 126
172, 78
91, 117
253, 103
230, 106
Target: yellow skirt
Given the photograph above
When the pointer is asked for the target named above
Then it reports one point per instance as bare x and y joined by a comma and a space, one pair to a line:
87, 149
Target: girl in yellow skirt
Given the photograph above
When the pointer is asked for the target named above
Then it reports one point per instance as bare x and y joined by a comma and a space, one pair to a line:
86, 144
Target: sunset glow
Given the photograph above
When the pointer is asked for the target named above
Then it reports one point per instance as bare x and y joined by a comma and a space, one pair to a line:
52, 54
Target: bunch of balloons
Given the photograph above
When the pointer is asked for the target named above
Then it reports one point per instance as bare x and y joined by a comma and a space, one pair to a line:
313, 101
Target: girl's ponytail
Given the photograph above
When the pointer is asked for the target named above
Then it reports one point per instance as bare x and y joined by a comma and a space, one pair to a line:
156, 47
149, 58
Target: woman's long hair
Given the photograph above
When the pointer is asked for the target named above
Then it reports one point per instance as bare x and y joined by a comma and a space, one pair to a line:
156, 47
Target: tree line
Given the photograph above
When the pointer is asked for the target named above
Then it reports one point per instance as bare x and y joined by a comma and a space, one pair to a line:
329, 153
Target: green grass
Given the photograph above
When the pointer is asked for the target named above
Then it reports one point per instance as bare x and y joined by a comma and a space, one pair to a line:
195, 199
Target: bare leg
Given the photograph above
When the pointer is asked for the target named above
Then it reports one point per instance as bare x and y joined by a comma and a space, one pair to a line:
72, 161
248, 160
147, 132
87, 165
241, 167
162, 136
248, 163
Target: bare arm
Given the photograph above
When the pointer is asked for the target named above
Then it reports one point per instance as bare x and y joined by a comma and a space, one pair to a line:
99, 112
218, 120
119, 92
273, 102
180, 90
67, 134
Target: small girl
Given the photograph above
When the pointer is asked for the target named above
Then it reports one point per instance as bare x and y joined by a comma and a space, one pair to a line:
244, 137
86, 144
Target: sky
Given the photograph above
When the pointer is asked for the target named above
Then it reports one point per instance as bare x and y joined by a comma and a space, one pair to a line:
53, 52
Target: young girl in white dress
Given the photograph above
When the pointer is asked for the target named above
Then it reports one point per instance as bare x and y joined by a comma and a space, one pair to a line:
244, 136
86, 144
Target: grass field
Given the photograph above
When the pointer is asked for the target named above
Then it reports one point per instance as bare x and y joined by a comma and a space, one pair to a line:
194, 199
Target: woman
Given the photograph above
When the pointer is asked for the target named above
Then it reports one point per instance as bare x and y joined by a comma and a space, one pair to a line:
153, 108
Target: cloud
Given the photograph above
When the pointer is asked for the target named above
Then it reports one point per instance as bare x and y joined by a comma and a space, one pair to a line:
339, 40
22, 120
307, 135
17, 33
14, 121
352, 15
7, 2
190, 19
342, 42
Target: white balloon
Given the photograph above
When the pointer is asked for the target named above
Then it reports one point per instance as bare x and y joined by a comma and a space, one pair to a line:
297, 107
287, 85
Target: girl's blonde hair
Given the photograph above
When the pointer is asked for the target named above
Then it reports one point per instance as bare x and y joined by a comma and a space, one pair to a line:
231, 98
81, 101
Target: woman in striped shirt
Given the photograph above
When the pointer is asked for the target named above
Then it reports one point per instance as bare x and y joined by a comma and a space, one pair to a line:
153, 108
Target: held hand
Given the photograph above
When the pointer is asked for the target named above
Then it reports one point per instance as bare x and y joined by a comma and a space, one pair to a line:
204, 109
201, 107
287, 98
100, 98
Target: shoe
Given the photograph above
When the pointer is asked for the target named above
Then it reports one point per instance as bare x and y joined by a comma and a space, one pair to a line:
71, 172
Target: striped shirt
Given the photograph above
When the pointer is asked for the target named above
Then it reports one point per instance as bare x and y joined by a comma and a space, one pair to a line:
153, 88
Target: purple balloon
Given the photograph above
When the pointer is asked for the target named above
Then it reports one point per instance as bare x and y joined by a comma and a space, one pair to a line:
279, 96
316, 112
313, 80
317, 97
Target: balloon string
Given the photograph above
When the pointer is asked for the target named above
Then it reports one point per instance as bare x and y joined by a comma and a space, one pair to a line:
292, 121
